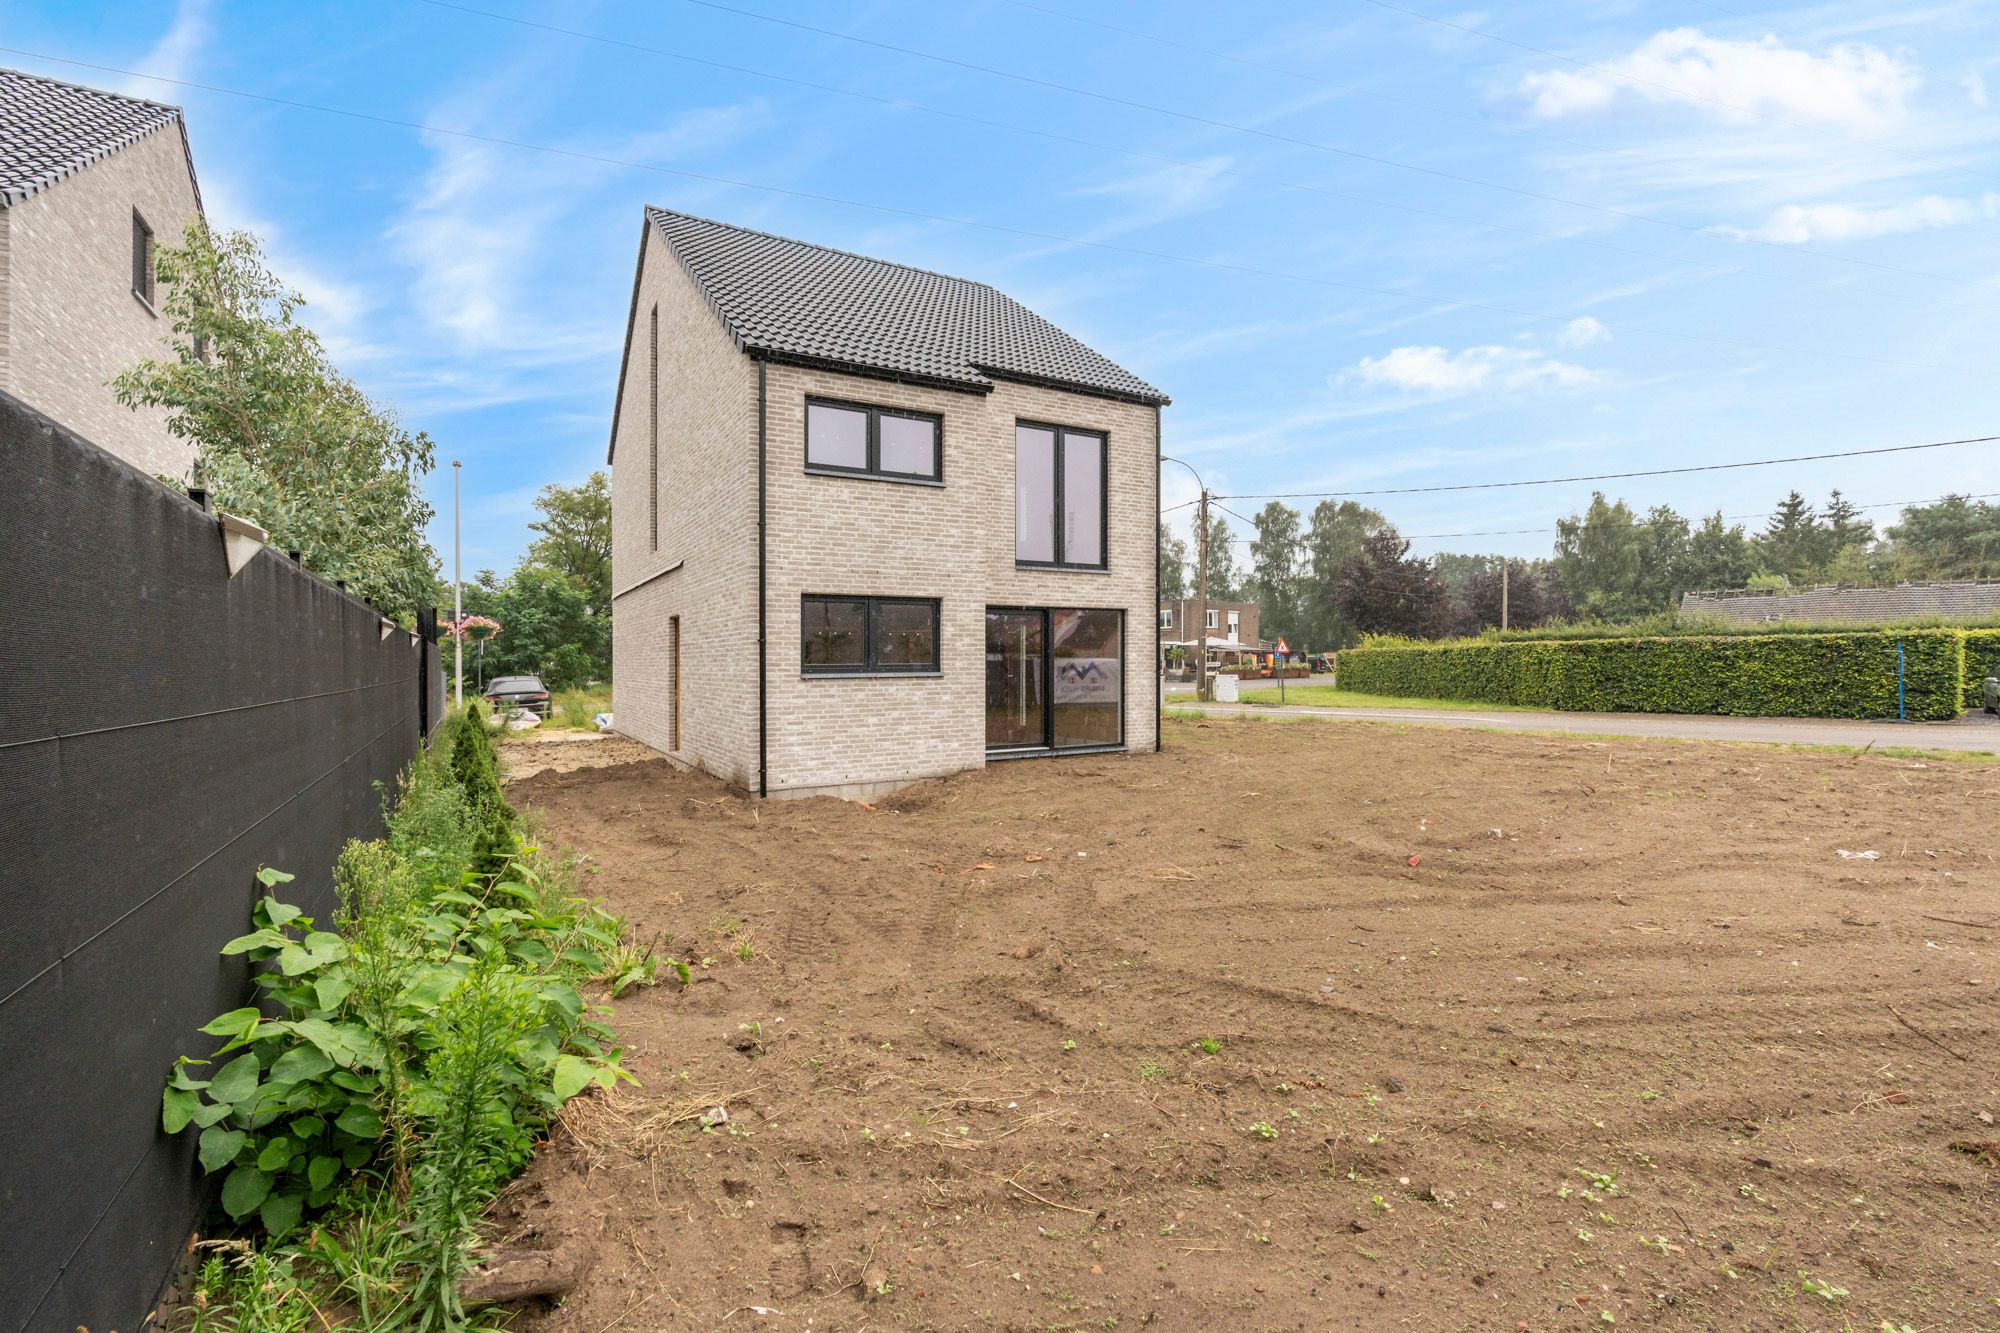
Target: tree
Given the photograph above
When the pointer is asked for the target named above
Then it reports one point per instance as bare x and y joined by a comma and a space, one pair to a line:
1793, 542
1663, 558
1956, 538
1274, 571
1478, 608
1719, 556
281, 436
1225, 584
575, 540
1336, 534
1600, 560
1383, 589
547, 627
1173, 566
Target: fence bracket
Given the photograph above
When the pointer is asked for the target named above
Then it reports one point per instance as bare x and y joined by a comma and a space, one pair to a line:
241, 539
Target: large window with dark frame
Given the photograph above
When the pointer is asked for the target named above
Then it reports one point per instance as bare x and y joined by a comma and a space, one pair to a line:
1055, 680
1059, 497
859, 440
869, 636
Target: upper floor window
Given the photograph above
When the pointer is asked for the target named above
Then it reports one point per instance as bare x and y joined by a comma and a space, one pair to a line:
1059, 496
1235, 624
860, 636
1166, 620
853, 439
1212, 614
142, 259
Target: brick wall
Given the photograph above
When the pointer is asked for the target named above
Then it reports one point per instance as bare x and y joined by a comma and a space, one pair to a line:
70, 321
956, 543
707, 523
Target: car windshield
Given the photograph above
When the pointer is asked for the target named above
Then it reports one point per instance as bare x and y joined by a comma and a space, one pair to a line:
515, 685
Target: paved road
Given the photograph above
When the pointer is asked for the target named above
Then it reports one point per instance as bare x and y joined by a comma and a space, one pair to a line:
1976, 731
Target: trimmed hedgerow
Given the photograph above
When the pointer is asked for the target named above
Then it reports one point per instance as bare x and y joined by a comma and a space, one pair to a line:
1788, 675
1982, 659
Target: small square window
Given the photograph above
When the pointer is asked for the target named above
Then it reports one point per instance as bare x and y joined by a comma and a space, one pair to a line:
1212, 618
1166, 620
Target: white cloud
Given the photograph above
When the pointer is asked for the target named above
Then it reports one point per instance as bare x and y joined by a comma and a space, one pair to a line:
1796, 224
1855, 85
173, 56
1975, 88
1582, 332
1439, 371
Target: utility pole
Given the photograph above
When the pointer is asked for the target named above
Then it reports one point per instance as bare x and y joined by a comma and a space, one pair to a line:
1504, 562
1201, 599
457, 599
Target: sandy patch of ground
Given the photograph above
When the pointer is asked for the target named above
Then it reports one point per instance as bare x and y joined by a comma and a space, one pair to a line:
1298, 1026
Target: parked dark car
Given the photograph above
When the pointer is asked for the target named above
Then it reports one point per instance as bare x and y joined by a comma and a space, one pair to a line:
507, 693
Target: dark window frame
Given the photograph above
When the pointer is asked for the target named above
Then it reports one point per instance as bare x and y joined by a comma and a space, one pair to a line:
1048, 748
653, 425
144, 283
873, 470
871, 647
1103, 563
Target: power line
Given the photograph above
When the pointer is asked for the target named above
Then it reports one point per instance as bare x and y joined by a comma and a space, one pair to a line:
1209, 168
1682, 92
1614, 476
1001, 228
1213, 123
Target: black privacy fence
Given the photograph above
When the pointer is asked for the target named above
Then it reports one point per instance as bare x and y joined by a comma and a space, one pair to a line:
166, 727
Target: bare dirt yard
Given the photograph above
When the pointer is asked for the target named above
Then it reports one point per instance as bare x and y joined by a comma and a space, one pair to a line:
1297, 1026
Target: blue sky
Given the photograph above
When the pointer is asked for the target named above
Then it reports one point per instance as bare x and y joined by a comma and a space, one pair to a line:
1360, 245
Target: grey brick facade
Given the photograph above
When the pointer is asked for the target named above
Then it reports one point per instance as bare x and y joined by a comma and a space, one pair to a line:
835, 535
69, 318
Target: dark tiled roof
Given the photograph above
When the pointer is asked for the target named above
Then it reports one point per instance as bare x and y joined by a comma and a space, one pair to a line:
49, 129
1867, 606
792, 301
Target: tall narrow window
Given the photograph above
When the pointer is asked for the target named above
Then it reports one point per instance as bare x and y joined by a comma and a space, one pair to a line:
1059, 496
653, 424
142, 259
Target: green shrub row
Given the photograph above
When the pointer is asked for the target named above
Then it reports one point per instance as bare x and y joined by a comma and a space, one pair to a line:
403, 1060
1982, 659
1849, 675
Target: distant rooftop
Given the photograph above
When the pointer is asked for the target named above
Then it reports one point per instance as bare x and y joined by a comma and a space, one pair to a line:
805, 304
1864, 606
50, 129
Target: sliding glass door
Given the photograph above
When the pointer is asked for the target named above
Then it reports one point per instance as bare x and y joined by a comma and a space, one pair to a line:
1054, 679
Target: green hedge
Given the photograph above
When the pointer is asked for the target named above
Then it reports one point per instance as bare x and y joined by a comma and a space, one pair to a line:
1982, 659
1778, 675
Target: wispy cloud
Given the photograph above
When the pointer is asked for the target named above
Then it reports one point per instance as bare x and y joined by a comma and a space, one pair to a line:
1855, 85
1436, 370
1797, 224
174, 56
1583, 331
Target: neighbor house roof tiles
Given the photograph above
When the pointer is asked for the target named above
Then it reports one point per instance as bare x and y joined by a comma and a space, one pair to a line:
50, 129
787, 300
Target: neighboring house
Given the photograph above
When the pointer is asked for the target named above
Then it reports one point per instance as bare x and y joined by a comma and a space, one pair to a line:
90, 184
1228, 623
1862, 606
871, 524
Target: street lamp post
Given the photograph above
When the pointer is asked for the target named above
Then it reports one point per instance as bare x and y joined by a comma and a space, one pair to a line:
457, 598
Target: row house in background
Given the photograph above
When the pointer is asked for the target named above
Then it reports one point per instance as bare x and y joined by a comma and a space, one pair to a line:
870, 523
91, 183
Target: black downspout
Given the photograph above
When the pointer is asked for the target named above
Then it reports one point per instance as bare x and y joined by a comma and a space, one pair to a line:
763, 655
1159, 663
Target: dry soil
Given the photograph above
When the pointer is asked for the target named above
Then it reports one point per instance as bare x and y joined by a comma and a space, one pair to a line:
1297, 1026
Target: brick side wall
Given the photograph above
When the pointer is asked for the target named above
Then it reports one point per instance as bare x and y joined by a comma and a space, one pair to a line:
707, 521
956, 543
71, 319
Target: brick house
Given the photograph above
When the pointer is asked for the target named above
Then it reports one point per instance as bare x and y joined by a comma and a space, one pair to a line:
1228, 622
871, 524
90, 183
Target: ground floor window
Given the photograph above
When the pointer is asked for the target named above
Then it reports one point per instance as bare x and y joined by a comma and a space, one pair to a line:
853, 636
1055, 679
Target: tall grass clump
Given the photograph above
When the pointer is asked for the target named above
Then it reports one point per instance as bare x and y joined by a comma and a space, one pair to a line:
401, 1065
